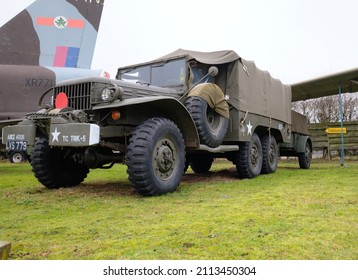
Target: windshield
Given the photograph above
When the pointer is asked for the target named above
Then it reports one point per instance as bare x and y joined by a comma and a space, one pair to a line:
166, 74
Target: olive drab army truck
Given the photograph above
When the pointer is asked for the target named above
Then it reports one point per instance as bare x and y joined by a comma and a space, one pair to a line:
183, 109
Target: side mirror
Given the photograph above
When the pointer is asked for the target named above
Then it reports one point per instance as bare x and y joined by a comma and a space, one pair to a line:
213, 71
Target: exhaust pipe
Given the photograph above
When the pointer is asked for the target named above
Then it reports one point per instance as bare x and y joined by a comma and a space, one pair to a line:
97, 158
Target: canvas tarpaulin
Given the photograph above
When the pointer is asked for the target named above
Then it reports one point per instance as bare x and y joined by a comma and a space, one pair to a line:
299, 123
249, 89
255, 91
214, 96
218, 57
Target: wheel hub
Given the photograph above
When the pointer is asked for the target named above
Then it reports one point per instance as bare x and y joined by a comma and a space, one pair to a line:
308, 154
213, 120
254, 156
272, 154
164, 159
17, 157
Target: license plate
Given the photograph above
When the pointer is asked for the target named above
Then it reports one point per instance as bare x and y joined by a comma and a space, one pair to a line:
16, 145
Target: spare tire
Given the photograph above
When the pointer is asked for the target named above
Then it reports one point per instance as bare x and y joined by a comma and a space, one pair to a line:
211, 126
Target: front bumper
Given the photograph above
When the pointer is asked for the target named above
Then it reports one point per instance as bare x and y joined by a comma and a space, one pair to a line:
19, 137
74, 135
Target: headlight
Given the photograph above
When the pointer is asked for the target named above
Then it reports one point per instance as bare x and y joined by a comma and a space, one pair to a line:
106, 94
109, 94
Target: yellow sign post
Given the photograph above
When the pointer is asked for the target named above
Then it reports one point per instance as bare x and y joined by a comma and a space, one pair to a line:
336, 130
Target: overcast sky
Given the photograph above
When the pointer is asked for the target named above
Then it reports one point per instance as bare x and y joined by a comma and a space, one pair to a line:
294, 40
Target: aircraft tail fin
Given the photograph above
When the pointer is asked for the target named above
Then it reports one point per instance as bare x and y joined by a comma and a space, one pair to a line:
56, 33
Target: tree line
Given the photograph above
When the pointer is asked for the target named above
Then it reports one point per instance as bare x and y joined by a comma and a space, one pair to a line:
327, 109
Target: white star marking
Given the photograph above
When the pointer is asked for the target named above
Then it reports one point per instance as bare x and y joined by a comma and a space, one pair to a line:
249, 128
55, 135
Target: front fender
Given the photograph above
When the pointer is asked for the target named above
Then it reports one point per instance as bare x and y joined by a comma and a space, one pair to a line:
137, 110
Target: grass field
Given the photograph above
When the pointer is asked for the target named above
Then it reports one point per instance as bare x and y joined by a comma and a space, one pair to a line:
291, 214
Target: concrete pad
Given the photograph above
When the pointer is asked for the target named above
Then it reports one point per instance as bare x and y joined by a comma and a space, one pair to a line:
5, 248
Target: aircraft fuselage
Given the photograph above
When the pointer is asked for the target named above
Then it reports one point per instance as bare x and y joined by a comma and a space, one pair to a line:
20, 88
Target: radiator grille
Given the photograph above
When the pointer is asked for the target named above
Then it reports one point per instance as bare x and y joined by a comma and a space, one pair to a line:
79, 95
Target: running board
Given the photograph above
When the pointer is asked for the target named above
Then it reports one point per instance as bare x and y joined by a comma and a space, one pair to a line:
219, 149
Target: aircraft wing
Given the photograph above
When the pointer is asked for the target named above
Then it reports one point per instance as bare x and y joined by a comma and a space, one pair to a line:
326, 85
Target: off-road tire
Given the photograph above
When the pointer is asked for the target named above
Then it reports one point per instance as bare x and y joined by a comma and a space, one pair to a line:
56, 168
201, 163
304, 159
156, 157
211, 126
269, 154
249, 161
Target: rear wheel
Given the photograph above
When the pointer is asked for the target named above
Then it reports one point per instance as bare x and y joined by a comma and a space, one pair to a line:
269, 154
156, 157
57, 168
249, 161
304, 159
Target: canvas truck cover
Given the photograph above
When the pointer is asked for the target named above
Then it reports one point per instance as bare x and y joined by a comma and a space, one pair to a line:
210, 58
255, 91
249, 88
299, 123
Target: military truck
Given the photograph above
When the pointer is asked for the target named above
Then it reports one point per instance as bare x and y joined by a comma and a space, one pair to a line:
183, 109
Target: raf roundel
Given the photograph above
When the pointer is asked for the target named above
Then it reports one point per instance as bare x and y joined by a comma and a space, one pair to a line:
60, 22
61, 101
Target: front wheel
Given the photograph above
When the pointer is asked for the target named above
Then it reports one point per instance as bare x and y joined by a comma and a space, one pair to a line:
156, 157
55, 167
